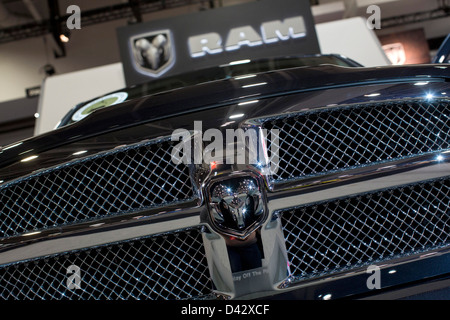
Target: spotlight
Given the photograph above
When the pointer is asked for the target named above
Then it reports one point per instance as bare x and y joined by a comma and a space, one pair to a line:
65, 36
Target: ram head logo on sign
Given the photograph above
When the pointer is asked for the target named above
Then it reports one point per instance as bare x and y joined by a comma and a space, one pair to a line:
153, 52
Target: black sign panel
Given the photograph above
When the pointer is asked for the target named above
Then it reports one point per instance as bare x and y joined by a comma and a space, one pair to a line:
260, 29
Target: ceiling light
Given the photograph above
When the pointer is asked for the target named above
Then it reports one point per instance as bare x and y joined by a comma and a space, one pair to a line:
65, 36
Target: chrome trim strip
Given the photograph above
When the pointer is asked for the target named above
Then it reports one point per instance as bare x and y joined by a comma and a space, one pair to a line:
56, 244
151, 215
367, 172
290, 199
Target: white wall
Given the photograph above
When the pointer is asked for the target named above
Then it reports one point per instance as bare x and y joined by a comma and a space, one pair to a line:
351, 38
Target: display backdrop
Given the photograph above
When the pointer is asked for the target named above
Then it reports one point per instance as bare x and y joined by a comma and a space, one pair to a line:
407, 47
260, 29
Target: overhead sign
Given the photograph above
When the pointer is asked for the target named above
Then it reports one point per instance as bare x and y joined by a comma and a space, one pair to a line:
407, 47
260, 29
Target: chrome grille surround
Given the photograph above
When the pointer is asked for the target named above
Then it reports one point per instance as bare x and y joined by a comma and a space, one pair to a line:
341, 234
332, 139
164, 266
120, 181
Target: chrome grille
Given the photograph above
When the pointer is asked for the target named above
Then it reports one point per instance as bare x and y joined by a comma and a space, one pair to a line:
132, 178
163, 267
326, 140
335, 235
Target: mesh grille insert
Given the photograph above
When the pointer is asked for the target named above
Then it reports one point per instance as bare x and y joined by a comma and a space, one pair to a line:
121, 181
330, 236
163, 267
322, 141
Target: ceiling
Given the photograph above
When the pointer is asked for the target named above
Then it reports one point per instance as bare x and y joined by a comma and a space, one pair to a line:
20, 19
17, 12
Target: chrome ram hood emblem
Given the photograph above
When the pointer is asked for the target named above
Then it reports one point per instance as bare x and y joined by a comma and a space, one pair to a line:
237, 206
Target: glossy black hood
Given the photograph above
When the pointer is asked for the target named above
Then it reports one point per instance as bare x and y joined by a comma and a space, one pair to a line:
229, 91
